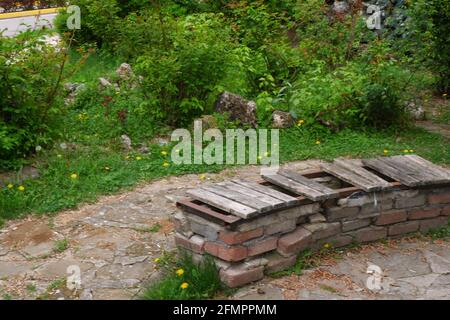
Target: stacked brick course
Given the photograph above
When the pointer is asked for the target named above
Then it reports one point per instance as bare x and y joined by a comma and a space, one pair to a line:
245, 251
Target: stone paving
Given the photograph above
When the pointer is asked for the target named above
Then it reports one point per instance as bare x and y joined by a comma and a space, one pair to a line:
114, 242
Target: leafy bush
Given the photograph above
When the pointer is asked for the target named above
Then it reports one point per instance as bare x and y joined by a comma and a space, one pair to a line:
182, 76
30, 85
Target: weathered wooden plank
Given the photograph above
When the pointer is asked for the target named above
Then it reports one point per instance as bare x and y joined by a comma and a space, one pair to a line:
268, 191
252, 202
207, 213
431, 167
423, 173
392, 171
301, 185
356, 175
223, 203
273, 202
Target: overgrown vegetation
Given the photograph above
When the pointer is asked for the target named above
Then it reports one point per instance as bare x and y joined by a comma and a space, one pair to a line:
346, 86
184, 279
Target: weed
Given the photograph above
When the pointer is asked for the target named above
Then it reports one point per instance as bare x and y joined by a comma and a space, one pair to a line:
61, 245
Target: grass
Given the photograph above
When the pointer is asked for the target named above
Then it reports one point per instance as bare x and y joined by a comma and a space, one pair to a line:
185, 280
440, 233
61, 245
101, 167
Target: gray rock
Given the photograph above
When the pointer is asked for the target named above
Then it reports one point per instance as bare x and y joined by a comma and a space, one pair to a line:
125, 72
281, 120
104, 83
416, 111
341, 7
237, 107
126, 141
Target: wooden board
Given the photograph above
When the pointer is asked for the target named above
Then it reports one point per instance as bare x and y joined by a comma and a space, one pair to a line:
207, 213
273, 202
298, 184
356, 175
287, 199
411, 171
223, 203
252, 202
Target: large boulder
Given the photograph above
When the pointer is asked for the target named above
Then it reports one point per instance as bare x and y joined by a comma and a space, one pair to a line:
237, 107
281, 119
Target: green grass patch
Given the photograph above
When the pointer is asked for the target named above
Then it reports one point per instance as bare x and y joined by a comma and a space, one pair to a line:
95, 166
61, 245
185, 280
440, 233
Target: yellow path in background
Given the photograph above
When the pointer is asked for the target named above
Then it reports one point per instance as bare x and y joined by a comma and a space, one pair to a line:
11, 15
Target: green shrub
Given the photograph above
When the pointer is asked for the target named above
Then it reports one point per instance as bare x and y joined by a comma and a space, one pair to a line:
31, 73
186, 280
184, 74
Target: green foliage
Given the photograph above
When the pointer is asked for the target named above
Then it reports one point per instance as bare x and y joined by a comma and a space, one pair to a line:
181, 75
30, 86
61, 245
201, 280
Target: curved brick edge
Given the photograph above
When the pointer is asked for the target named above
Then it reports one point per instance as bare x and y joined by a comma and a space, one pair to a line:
271, 243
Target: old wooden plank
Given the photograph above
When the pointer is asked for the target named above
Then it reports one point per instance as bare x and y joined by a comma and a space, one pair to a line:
302, 186
308, 183
436, 170
266, 190
252, 202
392, 171
356, 175
207, 213
223, 203
274, 202
415, 169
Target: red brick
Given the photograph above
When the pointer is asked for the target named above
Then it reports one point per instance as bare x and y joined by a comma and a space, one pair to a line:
239, 276
439, 198
424, 213
195, 243
227, 253
277, 262
262, 246
391, 217
445, 211
295, 241
236, 237
369, 234
403, 228
430, 224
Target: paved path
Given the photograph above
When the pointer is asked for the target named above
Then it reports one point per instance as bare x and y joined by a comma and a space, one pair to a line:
14, 26
114, 242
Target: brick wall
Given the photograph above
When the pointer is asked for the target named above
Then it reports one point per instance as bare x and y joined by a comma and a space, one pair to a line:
271, 242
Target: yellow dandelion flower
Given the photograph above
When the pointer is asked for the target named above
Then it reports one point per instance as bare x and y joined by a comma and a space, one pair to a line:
107, 168
444, 95
10, 186
318, 142
180, 272
411, 151
385, 151
202, 177
166, 164
164, 153
138, 158
74, 176
157, 260
327, 246
21, 188
184, 285
405, 151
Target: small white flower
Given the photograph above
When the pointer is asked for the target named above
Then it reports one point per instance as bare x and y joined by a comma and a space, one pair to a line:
63, 146
38, 148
